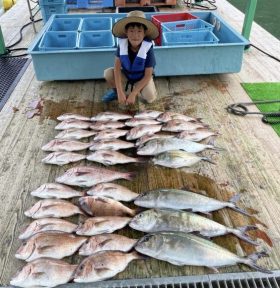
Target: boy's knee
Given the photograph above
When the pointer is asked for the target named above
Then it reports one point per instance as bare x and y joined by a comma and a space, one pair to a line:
109, 74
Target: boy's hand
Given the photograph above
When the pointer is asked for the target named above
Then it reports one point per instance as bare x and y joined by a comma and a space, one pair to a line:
131, 99
122, 97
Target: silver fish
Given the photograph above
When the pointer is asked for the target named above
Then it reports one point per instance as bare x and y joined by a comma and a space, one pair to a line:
110, 144
156, 220
105, 242
55, 190
100, 225
102, 206
142, 140
103, 125
110, 116
68, 116
49, 244
157, 146
110, 157
178, 159
168, 116
197, 135
148, 114
184, 200
63, 158
72, 123
180, 125
187, 249
110, 134
65, 145
47, 224
114, 191
84, 176
142, 130
44, 272
134, 122
75, 134
52, 208
103, 265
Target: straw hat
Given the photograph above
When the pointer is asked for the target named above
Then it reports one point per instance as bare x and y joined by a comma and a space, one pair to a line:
135, 17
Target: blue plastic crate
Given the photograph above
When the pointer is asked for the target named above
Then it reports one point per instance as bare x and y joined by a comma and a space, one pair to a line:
96, 39
48, 10
65, 24
194, 25
51, 2
100, 4
53, 40
188, 38
96, 24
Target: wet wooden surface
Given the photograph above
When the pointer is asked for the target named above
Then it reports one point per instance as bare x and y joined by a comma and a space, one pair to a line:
248, 165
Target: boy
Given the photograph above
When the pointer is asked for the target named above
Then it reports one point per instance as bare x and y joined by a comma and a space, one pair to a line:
134, 61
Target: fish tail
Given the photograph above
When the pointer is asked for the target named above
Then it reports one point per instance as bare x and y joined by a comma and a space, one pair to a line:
251, 261
208, 160
129, 175
212, 145
139, 256
240, 232
240, 210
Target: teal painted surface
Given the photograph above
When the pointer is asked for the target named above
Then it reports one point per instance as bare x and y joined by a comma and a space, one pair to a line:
223, 57
267, 14
249, 18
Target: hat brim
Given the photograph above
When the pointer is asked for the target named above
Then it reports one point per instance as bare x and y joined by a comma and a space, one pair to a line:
119, 27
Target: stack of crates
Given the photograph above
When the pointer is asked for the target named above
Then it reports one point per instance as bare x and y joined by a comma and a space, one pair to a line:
49, 7
161, 18
78, 33
89, 4
188, 32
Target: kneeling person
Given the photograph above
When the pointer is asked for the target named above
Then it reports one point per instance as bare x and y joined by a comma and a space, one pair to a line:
134, 61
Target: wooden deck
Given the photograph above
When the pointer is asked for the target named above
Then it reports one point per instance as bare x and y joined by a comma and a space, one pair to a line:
249, 164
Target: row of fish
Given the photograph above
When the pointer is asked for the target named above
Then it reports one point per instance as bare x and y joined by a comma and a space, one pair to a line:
107, 131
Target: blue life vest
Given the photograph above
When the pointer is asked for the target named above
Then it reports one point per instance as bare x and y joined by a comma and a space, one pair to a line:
134, 71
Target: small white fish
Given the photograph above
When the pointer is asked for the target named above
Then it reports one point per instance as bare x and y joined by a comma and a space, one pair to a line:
110, 134
85, 176
72, 123
110, 144
142, 130
156, 146
109, 157
105, 242
75, 134
178, 159
100, 225
103, 265
44, 272
51, 244
112, 190
110, 116
134, 122
197, 135
103, 125
180, 125
147, 138
55, 190
47, 224
167, 116
52, 208
148, 114
68, 116
63, 158
65, 145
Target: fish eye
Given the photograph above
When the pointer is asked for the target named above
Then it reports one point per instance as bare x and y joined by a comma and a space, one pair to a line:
81, 267
24, 243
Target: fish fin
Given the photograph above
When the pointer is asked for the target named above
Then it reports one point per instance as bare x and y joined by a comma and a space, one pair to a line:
251, 261
45, 249
214, 269
242, 211
102, 244
234, 199
37, 274
129, 175
240, 232
208, 160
